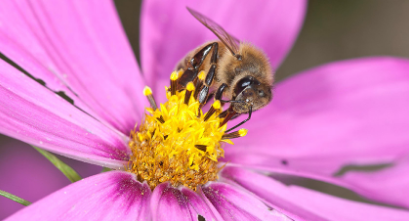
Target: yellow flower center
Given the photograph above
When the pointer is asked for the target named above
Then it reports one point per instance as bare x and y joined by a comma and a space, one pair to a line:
177, 142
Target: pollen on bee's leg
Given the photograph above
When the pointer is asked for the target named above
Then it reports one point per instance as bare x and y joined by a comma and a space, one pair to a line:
190, 87
147, 91
236, 134
216, 106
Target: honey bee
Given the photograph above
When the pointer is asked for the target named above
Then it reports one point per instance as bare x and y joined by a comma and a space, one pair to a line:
235, 70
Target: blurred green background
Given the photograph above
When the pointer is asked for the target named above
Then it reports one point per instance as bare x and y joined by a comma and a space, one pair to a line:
333, 30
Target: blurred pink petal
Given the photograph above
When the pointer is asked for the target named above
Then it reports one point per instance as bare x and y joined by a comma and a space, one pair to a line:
26, 173
322, 205
169, 203
335, 208
388, 185
272, 162
82, 44
352, 111
169, 32
31, 113
388, 189
235, 204
106, 196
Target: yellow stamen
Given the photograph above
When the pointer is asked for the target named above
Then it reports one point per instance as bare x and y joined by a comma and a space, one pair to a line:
189, 89
199, 83
236, 134
215, 107
190, 86
173, 82
243, 132
147, 91
174, 76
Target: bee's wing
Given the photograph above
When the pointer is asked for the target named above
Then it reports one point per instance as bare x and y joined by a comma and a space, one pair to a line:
229, 41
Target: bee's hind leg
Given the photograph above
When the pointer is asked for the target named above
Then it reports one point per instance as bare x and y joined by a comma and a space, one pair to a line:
191, 70
204, 91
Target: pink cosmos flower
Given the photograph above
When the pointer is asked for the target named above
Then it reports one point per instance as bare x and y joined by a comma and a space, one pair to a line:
349, 112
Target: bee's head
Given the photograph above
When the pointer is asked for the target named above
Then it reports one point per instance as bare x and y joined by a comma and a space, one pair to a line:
250, 92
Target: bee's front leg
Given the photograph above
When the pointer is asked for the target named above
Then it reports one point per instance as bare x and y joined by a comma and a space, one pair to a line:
244, 121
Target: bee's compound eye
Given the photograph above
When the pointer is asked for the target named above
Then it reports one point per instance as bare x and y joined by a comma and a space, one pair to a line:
243, 84
261, 93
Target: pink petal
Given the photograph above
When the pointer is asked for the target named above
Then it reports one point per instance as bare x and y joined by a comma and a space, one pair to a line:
82, 44
346, 112
169, 32
169, 203
388, 191
280, 204
322, 205
31, 113
235, 204
16, 38
325, 166
198, 206
389, 185
21, 164
107, 196
340, 209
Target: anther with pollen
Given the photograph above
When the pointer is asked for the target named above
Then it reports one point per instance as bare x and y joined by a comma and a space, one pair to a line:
215, 107
190, 87
147, 91
229, 115
173, 82
199, 84
236, 134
